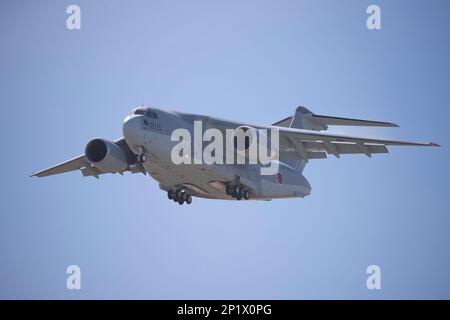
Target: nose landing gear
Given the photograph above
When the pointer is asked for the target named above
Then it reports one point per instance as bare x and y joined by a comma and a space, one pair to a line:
179, 196
140, 157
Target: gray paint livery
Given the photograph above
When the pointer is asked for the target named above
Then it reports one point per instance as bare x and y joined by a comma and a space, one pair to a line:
146, 147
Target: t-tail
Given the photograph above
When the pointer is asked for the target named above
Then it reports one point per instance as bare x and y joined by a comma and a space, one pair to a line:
307, 120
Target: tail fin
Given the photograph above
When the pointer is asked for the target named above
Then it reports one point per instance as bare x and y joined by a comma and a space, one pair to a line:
305, 119
299, 121
302, 120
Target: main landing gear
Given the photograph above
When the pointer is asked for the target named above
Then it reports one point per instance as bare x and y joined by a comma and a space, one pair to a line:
179, 196
237, 191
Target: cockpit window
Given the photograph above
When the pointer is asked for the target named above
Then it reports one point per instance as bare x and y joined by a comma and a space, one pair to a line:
139, 111
151, 114
147, 112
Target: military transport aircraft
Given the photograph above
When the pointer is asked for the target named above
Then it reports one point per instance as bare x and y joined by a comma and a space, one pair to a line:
147, 147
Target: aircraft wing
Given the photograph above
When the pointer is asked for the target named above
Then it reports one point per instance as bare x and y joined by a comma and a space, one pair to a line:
76, 163
307, 144
312, 144
87, 169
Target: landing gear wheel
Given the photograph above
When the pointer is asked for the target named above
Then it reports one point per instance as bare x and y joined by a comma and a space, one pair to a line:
188, 199
228, 190
184, 196
140, 158
180, 202
170, 194
179, 194
246, 194
239, 196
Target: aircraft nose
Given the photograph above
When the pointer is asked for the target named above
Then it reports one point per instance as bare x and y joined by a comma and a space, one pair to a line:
131, 129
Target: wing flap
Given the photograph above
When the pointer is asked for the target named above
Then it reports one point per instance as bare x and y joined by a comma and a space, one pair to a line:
305, 144
294, 155
355, 149
343, 148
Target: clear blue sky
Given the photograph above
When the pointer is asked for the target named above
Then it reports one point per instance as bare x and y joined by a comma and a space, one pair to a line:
253, 61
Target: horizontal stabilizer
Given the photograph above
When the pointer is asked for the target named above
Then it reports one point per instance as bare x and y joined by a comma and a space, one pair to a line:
335, 121
305, 119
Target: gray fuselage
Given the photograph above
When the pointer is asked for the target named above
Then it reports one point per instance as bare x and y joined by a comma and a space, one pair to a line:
149, 130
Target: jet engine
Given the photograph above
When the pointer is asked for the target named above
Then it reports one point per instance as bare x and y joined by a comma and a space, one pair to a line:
245, 136
249, 137
106, 155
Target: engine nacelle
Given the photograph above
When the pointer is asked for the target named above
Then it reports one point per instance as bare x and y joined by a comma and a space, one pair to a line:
249, 138
106, 155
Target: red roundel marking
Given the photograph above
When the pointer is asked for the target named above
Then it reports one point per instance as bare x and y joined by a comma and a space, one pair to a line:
279, 178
